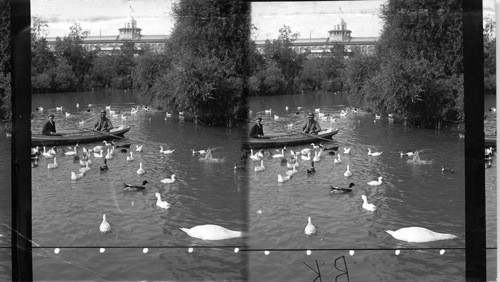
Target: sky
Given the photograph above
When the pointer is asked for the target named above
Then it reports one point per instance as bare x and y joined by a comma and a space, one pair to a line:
308, 18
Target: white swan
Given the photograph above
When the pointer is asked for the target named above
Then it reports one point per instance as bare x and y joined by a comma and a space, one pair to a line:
105, 226
68, 114
276, 117
138, 148
260, 154
377, 116
130, 158
305, 151
59, 108
140, 170
211, 232
108, 156
293, 171
419, 235
347, 151
408, 154
97, 148
168, 180
160, 203
267, 111
376, 182
310, 228
366, 205
253, 156
106, 143
370, 153
347, 173
54, 165
86, 168
166, 151
46, 154
261, 167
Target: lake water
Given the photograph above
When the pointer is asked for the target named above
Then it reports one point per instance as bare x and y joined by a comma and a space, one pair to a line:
67, 214
411, 195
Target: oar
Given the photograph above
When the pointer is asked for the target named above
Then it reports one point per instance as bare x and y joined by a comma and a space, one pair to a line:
315, 136
109, 134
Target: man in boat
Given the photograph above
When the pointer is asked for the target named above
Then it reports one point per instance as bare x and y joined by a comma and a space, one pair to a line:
103, 124
311, 126
257, 130
49, 128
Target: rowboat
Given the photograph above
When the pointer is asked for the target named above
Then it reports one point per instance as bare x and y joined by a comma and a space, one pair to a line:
288, 140
490, 141
84, 136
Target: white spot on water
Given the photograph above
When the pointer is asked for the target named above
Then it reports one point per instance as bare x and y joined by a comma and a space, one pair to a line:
266, 253
351, 252
145, 250
102, 250
236, 250
57, 250
441, 252
308, 252
190, 250
397, 252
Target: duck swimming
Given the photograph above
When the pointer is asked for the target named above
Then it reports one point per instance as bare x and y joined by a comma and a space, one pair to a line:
347, 173
129, 187
138, 148
311, 170
140, 170
168, 180
261, 167
375, 182
282, 179
104, 167
338, 190
310, 228
53, 165
160, 203
105, 227
446, 170
366, 205
130, 158
370, 153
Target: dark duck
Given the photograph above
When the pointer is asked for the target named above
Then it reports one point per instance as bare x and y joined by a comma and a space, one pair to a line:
311, 170
104, 167
129, 187
338, 190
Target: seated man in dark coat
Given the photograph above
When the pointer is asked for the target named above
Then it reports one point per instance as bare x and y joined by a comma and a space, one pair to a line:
103, 124
311, 126
49, 128
257, 130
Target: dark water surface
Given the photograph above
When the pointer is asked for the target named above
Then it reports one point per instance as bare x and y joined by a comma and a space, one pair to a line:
412, 194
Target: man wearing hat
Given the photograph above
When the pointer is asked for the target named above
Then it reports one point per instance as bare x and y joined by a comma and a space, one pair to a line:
103, 124
311, 126
257, 131
49, 128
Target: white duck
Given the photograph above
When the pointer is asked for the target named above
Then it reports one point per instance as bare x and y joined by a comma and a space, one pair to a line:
166, 152
282, 179
316, 157
140, 170
71, 153
253, 156
106, 143
77, 105
308, 158
169, 180
59, 108
408, 154
260, 154
337, 160
86, 168
105, 227
377, 116
267, 111
293, 171
160, 203
347, 151
46, 154
310, 228
370, 153
138, 148
314, 146
68, 114
347, 173
376, 182
211, 232
97, 148
108, 156
261, 167
279, 156
53, 165
317, 110
134, 111
98, 155
276, 117
75, 176
108, 108
419, 235
366, 205
130, 158
305, 151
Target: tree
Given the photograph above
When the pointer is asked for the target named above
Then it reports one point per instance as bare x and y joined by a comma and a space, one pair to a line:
206, 78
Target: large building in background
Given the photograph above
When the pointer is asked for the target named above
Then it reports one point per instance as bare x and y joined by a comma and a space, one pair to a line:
130, 33
339, 35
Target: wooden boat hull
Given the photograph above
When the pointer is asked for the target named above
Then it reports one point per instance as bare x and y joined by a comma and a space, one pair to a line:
490, 141
288, 140
85, 136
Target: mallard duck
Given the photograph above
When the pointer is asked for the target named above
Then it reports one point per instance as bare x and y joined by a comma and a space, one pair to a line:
342, 190
104, 167
130, 187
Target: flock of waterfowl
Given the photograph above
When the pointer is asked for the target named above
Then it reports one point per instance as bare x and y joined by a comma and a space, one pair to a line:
295, 158
99, 157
